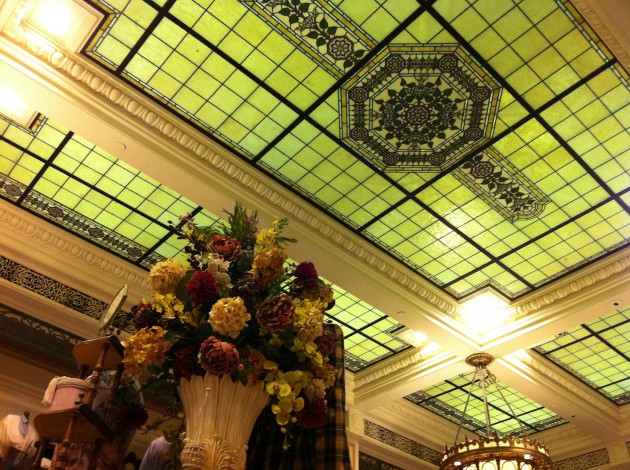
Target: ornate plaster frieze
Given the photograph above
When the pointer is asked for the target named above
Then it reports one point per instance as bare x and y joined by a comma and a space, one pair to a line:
573, 387
393, 364
84, 75
575, 285
584, 461
16, 224
400, 442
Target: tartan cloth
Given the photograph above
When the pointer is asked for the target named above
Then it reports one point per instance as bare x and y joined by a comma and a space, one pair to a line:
318, 449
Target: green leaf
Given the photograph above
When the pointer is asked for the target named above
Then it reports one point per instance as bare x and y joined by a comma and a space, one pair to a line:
203, 332
181, 291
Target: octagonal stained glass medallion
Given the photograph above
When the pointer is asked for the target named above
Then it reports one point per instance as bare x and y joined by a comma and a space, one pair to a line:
418, 108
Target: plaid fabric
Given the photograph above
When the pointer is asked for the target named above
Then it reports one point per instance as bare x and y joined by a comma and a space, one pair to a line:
320, 449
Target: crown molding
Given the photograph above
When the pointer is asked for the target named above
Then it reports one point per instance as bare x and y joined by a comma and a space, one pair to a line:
609, 275
55, 253
562, 380
597, 14
393, 364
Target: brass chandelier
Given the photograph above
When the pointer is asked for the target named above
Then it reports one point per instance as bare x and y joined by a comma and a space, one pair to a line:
493, 452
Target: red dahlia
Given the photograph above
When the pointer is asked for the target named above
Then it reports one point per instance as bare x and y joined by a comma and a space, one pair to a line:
313, 415
202, 287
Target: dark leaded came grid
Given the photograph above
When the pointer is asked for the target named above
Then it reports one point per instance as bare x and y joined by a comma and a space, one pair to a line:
72, 183
541, 195
448, 399
598, 353
368, 333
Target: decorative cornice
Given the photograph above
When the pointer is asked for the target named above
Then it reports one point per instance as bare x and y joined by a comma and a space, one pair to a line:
602, 29
573, 388
391, 365
83, 74
603, 271
416, 414
14, 222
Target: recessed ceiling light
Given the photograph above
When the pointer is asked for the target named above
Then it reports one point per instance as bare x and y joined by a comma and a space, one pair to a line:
415, 338
68, 23
13, 107
484, 312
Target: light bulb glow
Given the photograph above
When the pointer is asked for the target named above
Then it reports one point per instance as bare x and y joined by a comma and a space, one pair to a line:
11, 104
54, 16
484, 312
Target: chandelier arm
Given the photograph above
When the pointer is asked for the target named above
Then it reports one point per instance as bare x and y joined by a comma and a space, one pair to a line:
484, 385
493, 452
520, 423
461, 421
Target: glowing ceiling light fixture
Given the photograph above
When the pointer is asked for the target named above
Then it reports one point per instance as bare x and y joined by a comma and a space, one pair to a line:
13, 107
68, 23
484, 312
493, 452
413, 337
53, 16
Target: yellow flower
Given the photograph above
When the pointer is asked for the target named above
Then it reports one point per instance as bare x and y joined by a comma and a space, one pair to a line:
282, 410
268, 265
146, 348
309, 317
278, 388
171, 307
267, 238
165, 275
229, 316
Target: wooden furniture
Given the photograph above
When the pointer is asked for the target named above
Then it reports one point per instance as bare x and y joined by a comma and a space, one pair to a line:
79, 423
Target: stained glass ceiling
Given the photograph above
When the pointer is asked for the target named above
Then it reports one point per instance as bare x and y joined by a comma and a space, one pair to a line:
479, 143
597, 352
72, 183
449, 399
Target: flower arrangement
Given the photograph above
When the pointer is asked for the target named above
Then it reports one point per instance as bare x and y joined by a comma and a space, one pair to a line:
236, 307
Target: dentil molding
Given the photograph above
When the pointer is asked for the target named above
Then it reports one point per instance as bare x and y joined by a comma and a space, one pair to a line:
21, 232
599, 275
391, 365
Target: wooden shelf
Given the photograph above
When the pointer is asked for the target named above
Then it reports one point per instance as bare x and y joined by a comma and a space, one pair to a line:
87, 353
88, 428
